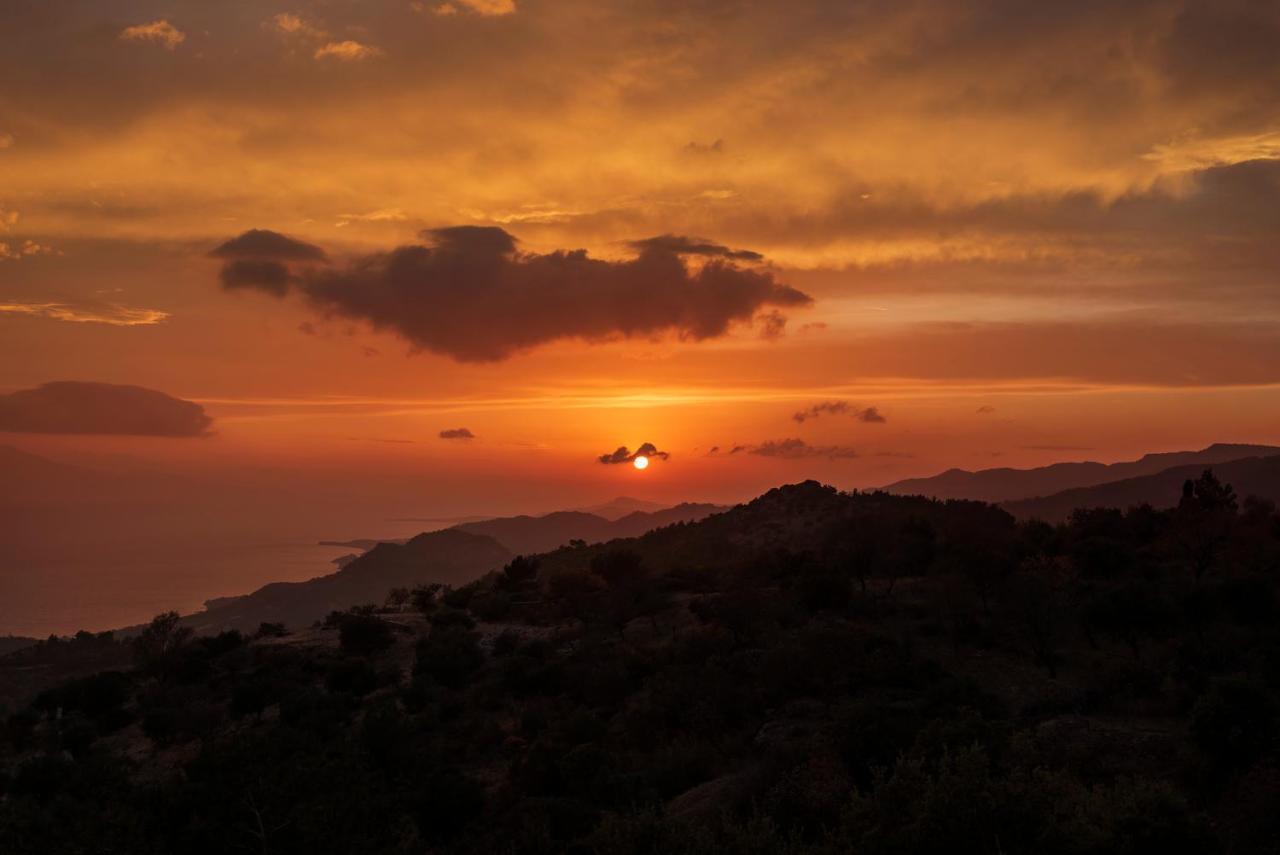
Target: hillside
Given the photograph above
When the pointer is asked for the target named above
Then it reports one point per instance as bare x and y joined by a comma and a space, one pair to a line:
448, 557
1254, 476
810, 672
1005, 485
526, 534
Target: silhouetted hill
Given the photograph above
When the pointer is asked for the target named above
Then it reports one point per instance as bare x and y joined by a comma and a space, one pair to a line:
1253, 476
449, 557
527, 534
792, 519
1004, 484
621, 506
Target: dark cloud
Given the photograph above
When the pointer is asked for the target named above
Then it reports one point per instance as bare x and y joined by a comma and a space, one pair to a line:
985, 409
678, 245
263, 244
870, 415
794, 449
623, 455
457, 433
272, 277
72, 407
472, 296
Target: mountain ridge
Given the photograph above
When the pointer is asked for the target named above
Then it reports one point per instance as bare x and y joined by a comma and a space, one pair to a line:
1250, 476
1005, 484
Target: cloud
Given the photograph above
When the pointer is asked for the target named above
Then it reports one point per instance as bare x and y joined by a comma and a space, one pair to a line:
290, 23
486, 8
272, 277
27, 248
473, 296
382, 215
795, 449
263, 244
869, 415
985, 409
88, 313
457, 433
347, 51
677, 245
74, 407
623, 455
161, 32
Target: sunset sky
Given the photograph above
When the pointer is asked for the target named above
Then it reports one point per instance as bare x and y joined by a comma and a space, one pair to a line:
856, 241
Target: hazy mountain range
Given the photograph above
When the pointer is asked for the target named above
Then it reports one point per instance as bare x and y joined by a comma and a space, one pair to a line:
1252, 476
1007, 485
452, 556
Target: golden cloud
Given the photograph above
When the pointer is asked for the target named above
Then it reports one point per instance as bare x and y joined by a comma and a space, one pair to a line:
161, 32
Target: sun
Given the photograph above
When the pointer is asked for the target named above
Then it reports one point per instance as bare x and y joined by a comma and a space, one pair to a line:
641, 462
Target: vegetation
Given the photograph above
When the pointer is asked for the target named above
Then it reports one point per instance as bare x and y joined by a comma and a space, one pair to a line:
812, 672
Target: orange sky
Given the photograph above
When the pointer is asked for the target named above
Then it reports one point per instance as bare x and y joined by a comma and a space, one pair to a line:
1027, 232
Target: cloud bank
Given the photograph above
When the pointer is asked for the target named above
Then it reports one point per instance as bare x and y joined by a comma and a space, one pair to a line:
470, 294
457, 433
74, 407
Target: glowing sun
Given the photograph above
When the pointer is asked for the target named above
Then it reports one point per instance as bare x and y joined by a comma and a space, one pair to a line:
641, 462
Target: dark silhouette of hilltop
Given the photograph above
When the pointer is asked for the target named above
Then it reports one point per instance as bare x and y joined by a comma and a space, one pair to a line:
525, 534
1256, 476
448, 557
621, 506
1005, 485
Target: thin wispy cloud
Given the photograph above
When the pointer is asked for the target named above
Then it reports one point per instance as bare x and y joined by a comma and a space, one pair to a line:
347, 51
159, 32
88, 313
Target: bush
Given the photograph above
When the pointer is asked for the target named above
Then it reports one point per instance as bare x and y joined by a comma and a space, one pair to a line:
365, 635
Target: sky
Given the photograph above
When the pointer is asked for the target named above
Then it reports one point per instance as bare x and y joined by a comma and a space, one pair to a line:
467, 249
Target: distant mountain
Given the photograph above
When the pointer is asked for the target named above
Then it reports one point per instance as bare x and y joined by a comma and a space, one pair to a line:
526, 534
1004, 484
1253, 476
621, 506
450, 557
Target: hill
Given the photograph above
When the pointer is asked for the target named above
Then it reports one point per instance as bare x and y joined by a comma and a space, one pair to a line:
1005, 485
526, 534
1254, 476
448, 557
621, 506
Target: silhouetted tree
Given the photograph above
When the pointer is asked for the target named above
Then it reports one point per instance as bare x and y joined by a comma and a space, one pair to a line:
157, 647
1203, 520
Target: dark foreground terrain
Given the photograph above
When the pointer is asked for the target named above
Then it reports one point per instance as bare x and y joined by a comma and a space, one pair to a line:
811, 672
